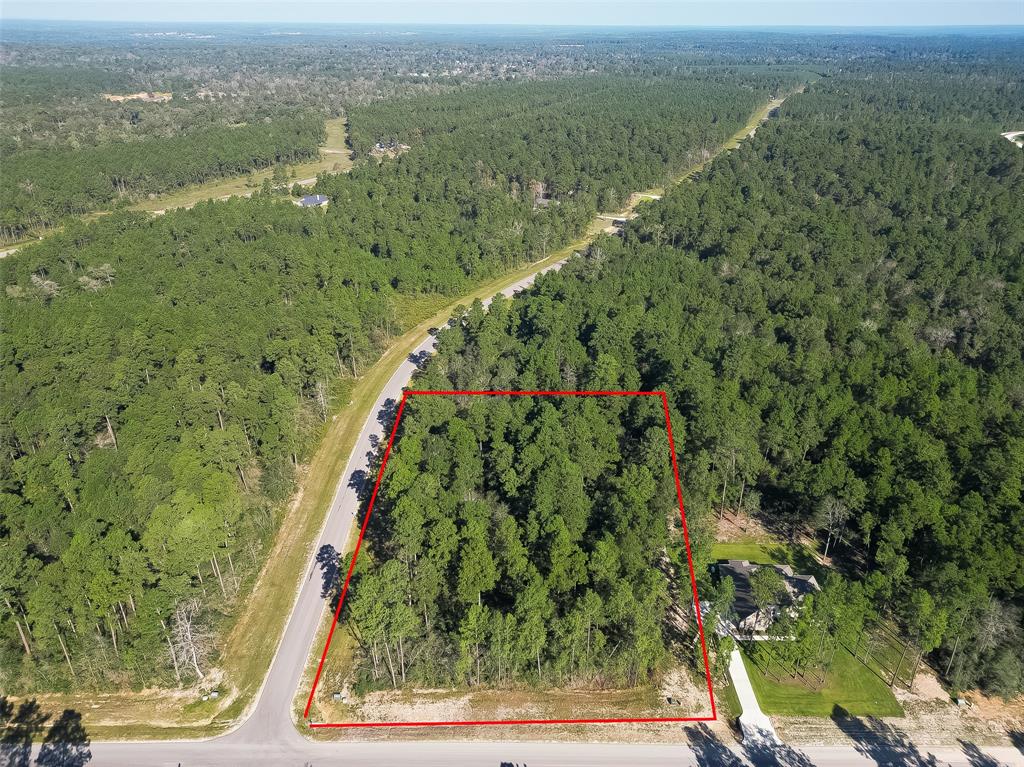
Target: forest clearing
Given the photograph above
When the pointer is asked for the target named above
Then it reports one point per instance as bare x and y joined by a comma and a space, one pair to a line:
335, 157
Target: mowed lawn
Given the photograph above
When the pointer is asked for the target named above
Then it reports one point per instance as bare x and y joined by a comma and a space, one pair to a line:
752, 551
848, 684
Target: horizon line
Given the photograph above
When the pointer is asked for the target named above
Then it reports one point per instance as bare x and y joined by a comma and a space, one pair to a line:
512, 24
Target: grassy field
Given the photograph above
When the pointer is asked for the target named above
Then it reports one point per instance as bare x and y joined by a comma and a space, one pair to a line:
334, 158
727, 702
848, 684
753, 551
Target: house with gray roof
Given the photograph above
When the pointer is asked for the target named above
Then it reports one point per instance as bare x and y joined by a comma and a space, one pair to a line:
313, 201
749, 619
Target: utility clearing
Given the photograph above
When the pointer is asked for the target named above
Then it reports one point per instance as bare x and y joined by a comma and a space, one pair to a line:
334, 158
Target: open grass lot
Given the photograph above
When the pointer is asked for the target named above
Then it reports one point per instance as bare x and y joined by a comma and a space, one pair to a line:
758, 552
727, 701
848, 684
768, 552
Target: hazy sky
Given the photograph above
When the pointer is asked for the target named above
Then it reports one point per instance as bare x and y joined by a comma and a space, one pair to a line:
576, 12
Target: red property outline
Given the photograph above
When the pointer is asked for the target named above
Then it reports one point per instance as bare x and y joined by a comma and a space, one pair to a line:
366, 518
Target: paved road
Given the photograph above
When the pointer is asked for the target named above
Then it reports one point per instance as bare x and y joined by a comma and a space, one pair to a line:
269, 737
271, 721
705, 753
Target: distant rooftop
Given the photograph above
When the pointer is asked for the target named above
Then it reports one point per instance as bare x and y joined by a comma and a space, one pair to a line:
313, 200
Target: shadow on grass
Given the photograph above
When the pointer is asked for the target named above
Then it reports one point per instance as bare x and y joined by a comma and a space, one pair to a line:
881, 742
66, 743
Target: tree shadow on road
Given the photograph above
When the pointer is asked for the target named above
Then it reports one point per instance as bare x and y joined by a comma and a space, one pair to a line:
19, 727
386, 415
420, 359
773, 753
708, 750
881, 742
330, 570
359, 480
1017, 738
976, 758
66, 744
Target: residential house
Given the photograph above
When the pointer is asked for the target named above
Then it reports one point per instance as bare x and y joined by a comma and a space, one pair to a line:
749, 618
313, 201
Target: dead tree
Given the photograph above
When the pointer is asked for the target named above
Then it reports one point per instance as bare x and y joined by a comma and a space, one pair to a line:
192, 642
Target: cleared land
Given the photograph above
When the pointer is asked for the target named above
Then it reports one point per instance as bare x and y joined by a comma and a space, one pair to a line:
334, 158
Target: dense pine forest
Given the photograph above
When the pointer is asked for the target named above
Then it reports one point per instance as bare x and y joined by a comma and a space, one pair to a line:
837, 312
835, 309
519, 539
164, 377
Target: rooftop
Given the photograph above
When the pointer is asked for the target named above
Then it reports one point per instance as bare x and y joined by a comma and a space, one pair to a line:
740, 571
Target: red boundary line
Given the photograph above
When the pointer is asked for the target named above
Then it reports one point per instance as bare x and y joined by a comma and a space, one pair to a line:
366, 518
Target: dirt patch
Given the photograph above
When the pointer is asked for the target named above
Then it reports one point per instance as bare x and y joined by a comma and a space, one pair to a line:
424, 706
926, 688
152, 707
688, 698
496, 705
738, 526
693, 699
1008, 714
156, 97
